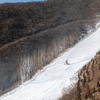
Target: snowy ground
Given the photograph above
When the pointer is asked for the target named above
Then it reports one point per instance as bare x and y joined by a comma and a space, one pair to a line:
48, 84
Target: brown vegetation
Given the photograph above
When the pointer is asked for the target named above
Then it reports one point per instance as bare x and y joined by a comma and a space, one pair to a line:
24, 19
71, 95
89, 80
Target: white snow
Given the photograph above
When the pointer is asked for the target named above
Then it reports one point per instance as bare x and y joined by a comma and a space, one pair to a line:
48, 84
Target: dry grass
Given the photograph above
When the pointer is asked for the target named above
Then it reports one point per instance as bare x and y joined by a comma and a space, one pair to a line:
72, 95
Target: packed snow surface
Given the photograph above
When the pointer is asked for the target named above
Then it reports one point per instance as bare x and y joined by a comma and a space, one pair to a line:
48, 84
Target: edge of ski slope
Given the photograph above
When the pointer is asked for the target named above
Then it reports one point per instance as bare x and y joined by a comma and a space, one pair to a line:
48, 84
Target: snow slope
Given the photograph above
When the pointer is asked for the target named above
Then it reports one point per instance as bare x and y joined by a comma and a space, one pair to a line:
48, 84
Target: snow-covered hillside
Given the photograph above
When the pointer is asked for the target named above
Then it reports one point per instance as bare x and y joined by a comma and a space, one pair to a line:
48, 84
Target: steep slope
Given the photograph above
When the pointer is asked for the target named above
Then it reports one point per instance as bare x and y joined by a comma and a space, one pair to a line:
25, 19
48, 84
89, 80
33, 34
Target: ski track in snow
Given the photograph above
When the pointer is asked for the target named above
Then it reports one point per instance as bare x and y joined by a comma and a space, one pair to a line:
48, 84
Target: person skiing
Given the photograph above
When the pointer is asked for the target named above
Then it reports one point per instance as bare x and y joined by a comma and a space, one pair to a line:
67, 62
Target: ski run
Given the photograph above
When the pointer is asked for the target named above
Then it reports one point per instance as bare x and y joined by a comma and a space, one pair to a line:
60, 74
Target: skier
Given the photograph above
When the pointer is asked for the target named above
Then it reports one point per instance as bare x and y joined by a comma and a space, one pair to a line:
67, 62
